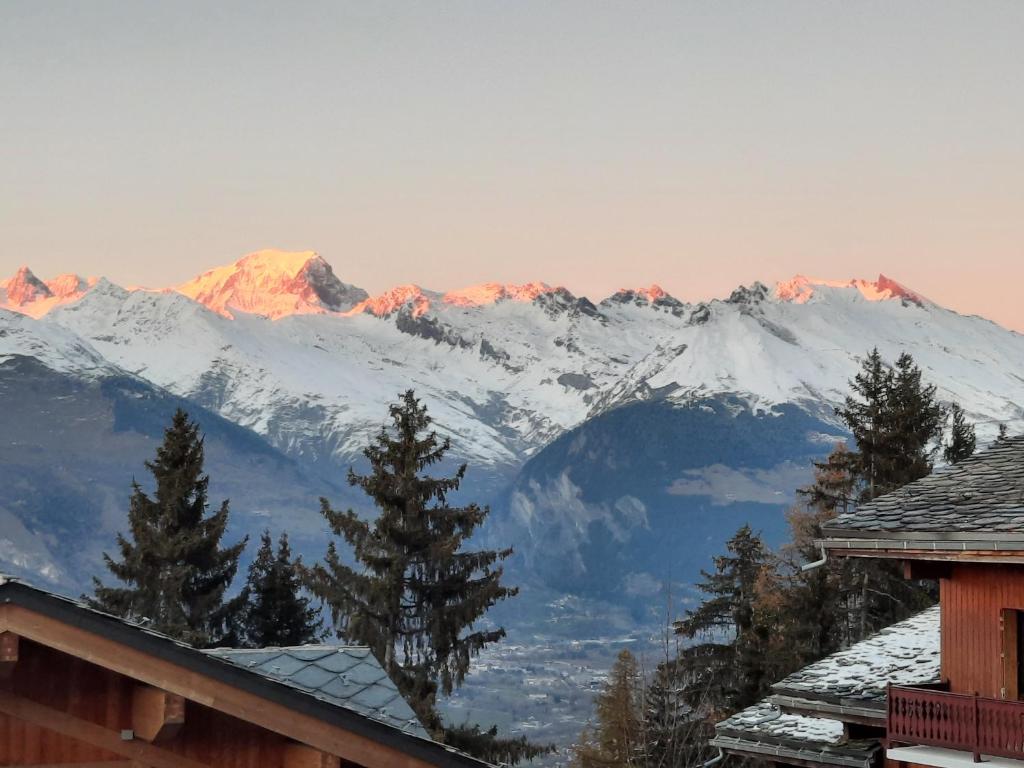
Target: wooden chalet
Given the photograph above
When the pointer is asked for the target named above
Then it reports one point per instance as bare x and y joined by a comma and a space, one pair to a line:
82, 688
964, 527
833, 712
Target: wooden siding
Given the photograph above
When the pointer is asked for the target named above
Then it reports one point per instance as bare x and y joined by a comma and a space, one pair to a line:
103, 697
972, 642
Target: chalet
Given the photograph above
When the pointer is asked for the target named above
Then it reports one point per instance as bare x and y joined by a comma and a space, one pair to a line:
833, 712
82, 688
964, 527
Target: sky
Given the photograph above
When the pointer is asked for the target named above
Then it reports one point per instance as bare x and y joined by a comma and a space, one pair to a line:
591, 144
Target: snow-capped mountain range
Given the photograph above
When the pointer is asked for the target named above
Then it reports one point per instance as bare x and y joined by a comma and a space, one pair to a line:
277, 343
619, 442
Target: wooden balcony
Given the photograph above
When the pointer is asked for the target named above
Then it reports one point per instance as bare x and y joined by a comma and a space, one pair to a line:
937, 718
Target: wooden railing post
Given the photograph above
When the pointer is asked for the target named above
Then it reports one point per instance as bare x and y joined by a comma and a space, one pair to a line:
977, 739
888, 715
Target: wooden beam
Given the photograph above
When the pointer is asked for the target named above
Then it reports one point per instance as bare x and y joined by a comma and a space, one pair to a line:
87, 732
258, 710
8, 654
989, 557
929, 570
301, 756
156, 714
94, 764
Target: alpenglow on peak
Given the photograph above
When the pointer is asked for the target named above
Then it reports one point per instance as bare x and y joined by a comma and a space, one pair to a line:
273, 283
802, 289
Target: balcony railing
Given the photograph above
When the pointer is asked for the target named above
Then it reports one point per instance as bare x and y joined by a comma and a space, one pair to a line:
955, 721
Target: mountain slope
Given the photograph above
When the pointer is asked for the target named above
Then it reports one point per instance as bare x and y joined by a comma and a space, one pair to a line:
506, 369
72, 445
279, 346
640, 498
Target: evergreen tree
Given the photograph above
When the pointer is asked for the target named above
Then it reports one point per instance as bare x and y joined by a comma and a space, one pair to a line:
894, 418
813, 601
865, 413
489, 747
174, 570
730, 665
278, 614
416, 593
670, 723
914, 423
616, 741
962, 439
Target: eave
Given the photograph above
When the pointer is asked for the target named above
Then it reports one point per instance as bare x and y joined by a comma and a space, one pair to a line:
982, 548
847, 713
807, 758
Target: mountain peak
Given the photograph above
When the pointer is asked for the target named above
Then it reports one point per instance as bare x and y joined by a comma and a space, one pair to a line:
273, 283
68, 285
802, 289
28, 295
492, 293
25, 288
389, 302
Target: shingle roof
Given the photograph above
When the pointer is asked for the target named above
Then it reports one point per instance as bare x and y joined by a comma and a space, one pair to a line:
849, 681
906, 653
763, 731
294, 696
765, 721
345, 676
983, 494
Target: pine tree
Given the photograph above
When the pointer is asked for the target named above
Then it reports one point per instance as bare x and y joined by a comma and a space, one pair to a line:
865, 413
486, 745
813, 601
730, 662
416, 594
914, 422
616, 740
670, 724
278, 614
895, 420
962, 439
173, 567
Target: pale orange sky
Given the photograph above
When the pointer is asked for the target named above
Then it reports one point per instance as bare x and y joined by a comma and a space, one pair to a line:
592, 144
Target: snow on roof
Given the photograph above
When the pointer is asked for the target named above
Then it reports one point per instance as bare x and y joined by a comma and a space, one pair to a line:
762, 731
907, 653
766, 721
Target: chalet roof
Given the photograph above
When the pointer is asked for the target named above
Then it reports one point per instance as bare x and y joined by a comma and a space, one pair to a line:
981, 497
351, 714
906, 653
344, 676
804, 720
762, 730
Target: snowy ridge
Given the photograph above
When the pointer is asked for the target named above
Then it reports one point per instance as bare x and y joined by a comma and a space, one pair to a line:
277, 343
55, 347
28, 295
802, 289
